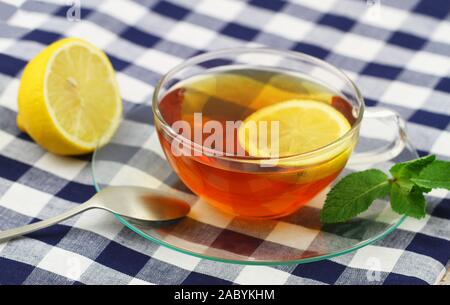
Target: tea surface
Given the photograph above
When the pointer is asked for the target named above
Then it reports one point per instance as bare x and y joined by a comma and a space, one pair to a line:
233, 95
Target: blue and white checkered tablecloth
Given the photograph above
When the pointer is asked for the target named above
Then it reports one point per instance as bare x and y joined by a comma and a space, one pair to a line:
397, 51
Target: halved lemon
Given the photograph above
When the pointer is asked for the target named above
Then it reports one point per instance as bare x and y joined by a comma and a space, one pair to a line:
69, 100
303, 126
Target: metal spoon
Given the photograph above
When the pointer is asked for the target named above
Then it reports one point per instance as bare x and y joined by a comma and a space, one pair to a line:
138, 204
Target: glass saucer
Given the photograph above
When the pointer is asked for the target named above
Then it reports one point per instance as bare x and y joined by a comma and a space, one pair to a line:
134, 157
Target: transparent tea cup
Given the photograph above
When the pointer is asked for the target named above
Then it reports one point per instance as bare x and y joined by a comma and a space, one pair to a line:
269, 187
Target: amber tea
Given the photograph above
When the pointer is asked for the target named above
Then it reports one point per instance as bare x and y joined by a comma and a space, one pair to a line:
216, 114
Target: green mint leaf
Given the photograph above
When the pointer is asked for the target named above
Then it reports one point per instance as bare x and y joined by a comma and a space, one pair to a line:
407, 200
353, 195
434, 175
411, 169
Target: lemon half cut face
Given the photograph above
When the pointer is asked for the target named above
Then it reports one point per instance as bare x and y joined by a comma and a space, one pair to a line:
69, 100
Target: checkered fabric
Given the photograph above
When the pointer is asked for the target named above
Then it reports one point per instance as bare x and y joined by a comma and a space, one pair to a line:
396, 51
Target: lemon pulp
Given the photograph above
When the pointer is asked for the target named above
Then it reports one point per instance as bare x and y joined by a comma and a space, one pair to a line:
303, 126
69, 100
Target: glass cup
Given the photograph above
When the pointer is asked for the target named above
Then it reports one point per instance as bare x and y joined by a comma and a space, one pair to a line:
270, 187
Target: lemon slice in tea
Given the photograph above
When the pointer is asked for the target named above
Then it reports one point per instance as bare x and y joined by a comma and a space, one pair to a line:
304, 126
69, 100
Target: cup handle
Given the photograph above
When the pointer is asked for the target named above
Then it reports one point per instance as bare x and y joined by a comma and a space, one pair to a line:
390, 151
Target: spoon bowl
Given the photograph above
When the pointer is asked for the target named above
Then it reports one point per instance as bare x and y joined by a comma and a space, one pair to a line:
140, 204
137, 204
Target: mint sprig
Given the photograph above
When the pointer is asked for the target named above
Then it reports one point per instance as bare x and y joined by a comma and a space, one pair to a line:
436, 175
355, 193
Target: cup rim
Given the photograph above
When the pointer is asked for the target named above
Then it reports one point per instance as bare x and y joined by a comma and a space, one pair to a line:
264, 50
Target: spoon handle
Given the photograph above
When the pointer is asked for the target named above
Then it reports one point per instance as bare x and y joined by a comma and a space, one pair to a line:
9, 234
